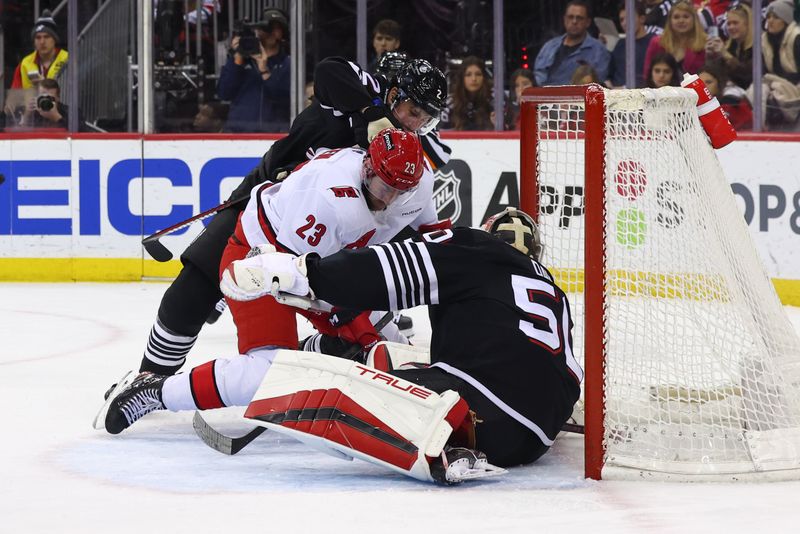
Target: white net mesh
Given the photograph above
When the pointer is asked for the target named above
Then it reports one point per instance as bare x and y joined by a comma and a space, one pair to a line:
703, 367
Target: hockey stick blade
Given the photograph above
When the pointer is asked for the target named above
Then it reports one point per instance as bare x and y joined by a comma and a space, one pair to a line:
573, 428
158, 251
219, 441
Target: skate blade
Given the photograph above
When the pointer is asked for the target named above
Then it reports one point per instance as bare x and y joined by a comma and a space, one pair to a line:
99, 422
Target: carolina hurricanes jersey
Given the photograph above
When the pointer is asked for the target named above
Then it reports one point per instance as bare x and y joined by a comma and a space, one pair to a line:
321, 208
498, 319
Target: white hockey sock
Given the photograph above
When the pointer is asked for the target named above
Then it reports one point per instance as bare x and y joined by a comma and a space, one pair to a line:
236, 378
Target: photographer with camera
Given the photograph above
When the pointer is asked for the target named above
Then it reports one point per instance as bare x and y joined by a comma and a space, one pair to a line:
255, 78
45, 110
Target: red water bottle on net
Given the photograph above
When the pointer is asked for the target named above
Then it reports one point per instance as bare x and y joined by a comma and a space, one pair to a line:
719, 129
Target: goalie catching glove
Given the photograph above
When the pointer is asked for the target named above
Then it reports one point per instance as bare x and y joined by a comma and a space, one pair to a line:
265, 272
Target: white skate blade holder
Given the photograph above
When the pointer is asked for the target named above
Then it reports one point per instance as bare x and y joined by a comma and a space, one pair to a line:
99, 422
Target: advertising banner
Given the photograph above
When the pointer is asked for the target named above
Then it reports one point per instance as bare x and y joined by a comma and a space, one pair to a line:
85, 204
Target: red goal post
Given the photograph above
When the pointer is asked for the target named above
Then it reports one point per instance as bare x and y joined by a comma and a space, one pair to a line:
593, 98
692, 370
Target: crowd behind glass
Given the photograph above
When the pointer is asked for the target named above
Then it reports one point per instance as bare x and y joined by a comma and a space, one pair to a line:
245, 81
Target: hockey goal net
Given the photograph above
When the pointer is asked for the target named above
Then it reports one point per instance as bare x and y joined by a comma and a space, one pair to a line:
692, 367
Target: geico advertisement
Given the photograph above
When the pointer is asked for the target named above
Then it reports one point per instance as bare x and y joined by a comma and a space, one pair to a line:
97, 198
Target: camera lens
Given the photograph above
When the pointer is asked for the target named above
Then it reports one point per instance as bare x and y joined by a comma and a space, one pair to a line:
45, 102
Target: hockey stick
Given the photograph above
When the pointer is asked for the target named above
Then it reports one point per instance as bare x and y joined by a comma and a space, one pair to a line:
219, 441
231, 445
573, 428
159, 252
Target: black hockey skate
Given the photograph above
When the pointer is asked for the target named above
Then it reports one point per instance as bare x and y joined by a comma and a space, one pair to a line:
405, 324
140, 398
457, 464
219, 309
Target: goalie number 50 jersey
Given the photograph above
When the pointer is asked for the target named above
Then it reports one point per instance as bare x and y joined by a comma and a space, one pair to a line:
498, 319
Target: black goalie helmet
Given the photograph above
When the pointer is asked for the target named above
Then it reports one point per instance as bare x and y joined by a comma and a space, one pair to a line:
391, 63
518, 229
425, 86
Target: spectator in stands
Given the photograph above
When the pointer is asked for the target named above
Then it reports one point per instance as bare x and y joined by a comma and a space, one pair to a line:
210, 118
713, 14
616, 70
258, 85
781, 50
781, 42
683, 38
46, 61
584, 74
45, 110
469, 105
738, 53
664, 71
520, 80
559, 56
385, 38
731, 97
656, 15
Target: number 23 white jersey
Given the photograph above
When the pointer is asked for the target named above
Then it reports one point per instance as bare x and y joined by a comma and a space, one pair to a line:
321, 208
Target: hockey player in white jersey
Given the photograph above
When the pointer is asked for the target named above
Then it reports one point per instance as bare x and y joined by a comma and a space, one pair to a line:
344, 198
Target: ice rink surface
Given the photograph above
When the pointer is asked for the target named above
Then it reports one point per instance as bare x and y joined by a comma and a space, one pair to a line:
62, 345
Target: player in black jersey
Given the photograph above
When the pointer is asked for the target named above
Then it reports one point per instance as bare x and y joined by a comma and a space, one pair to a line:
501, 327
350, 105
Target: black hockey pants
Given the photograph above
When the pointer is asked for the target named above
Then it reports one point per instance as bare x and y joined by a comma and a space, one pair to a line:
504, 440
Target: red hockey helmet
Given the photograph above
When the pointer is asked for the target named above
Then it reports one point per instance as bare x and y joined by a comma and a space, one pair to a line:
394, 156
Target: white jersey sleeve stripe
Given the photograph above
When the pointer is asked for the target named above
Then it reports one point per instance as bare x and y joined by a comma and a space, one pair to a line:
388, 275
410, 279
409, 274
430, 272
400, 277
421, 285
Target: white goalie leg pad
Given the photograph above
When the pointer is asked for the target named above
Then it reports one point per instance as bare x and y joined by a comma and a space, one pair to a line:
353, 410
387, 355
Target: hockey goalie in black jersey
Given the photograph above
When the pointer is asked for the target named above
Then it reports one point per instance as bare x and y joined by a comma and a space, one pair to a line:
501, 327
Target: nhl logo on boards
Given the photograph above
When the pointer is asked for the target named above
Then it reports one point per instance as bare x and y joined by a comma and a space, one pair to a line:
446, 196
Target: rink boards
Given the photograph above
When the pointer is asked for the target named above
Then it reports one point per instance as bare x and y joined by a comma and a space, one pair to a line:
77, 208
